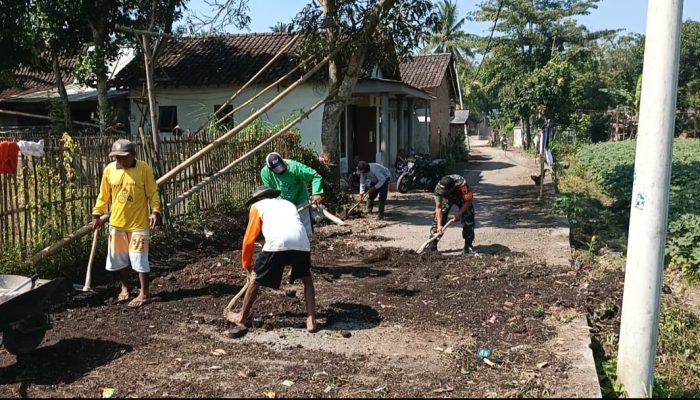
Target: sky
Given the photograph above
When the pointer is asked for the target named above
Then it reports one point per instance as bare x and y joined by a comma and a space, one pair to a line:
629, 15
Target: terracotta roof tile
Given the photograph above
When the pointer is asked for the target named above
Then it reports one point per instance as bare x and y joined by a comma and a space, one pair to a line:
215, 60
425, 70
38, 77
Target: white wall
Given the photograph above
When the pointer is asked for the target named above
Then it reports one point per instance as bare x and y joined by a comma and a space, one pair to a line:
195, 105
518, 137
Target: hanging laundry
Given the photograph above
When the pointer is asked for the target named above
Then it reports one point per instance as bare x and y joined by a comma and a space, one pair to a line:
9, 153
549, 158
31, 149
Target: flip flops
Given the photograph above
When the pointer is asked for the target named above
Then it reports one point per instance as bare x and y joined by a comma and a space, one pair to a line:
135, 303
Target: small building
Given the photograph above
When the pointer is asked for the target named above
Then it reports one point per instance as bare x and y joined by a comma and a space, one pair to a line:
437, 75
35, 93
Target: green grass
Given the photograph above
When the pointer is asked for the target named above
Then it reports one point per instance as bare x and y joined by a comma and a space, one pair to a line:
677, 368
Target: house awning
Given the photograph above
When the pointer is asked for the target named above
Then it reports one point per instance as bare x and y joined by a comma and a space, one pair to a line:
460, 117
375, 86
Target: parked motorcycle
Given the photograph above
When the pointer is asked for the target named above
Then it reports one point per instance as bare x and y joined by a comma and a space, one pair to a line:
421, 172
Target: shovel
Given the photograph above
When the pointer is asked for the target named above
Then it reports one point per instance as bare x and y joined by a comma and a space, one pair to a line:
249, 278
436, 235
362, 198
327, 214
88, 275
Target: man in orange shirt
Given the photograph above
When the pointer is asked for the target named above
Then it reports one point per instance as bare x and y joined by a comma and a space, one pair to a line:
286, 243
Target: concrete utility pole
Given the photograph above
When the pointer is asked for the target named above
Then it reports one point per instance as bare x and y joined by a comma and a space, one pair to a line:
648, 219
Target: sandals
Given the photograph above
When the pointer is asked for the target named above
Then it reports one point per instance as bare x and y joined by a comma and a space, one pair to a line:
135, 303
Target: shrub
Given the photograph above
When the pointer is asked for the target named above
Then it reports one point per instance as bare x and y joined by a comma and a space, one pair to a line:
611, 165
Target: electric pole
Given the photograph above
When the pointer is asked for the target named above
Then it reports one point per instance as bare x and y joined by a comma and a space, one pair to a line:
639, 327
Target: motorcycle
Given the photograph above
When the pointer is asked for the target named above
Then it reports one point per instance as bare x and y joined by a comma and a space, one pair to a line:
421, 172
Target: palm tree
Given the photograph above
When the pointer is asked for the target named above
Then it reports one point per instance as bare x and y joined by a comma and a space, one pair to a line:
281, 27
447, 35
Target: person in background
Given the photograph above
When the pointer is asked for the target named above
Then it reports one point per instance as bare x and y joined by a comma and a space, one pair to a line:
286, 243
374, 180
292, 178
130, 190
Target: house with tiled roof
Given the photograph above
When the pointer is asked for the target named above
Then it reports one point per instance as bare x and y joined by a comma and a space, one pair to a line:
33, 91
437, 75
194, 76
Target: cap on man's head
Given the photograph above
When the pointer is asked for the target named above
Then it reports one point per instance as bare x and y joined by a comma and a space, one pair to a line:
276, 163
363, 166
122, 148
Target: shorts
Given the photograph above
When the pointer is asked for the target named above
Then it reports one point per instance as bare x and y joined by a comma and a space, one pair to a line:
269, 266
126, 249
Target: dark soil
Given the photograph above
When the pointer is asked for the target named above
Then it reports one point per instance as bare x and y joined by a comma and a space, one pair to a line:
178, 346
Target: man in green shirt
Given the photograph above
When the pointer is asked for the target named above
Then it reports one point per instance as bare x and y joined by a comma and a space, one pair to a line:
292, 178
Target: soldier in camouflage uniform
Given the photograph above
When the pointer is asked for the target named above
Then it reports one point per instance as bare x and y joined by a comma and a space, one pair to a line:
450, 191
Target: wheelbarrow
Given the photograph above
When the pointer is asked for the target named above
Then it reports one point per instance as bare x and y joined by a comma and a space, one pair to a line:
24, 316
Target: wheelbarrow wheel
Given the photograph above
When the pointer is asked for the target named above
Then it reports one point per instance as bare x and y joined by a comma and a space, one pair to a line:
23, 341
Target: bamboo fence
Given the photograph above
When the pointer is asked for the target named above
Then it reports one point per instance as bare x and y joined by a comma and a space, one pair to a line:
53, 195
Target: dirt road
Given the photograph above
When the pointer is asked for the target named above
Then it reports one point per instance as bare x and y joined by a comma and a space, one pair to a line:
392, 323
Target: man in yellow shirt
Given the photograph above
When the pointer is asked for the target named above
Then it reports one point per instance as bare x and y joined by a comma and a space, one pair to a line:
129, 188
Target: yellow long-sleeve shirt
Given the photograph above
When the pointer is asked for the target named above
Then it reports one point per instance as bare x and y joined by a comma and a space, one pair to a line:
132, 192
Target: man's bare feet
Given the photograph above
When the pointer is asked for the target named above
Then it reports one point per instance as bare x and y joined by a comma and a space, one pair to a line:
123, 296
234, 318
311, 324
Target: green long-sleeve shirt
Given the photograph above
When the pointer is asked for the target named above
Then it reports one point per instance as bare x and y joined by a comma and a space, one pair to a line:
293, 182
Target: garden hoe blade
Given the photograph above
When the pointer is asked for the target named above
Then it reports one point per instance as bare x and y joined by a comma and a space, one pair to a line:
345, 214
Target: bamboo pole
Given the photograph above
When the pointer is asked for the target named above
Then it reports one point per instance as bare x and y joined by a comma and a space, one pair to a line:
221, 140
247, 155
251, 80
4, 227
258, 95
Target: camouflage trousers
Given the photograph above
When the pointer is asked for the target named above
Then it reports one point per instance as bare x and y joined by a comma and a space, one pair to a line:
467, 221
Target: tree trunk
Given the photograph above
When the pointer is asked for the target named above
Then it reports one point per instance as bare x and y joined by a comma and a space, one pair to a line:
99, 37
528, 132
67, 119
333, 109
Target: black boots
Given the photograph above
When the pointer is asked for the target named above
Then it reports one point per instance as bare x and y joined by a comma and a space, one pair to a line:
468, 248
380, 215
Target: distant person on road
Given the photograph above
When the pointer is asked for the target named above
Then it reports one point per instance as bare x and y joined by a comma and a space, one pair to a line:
374, 180
453, 190
292, 178
129, 188
286, 243
504, 142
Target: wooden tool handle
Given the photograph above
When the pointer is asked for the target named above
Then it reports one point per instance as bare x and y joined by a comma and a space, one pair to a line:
241, 292
436, 235
88, 274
